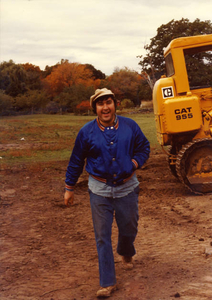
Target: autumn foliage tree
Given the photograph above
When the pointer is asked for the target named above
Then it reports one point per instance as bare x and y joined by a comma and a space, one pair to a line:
83, 107
126, 84
67, 75
70, 83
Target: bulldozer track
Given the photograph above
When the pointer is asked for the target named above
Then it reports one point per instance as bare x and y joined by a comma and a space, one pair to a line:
201, 185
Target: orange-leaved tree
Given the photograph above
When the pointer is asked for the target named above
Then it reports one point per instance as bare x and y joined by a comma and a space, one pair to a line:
83, 107
126, 84
66, 75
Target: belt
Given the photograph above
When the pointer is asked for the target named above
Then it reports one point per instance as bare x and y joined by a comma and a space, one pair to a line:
112, 182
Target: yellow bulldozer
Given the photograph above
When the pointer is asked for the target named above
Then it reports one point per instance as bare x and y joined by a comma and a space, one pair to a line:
183, 111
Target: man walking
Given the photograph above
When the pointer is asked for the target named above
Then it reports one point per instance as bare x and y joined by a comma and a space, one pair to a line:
114, 147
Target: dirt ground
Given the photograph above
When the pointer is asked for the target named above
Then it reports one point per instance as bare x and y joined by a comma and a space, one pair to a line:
48, 250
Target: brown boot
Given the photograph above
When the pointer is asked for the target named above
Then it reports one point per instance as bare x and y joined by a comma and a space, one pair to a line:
106, 292
127, 262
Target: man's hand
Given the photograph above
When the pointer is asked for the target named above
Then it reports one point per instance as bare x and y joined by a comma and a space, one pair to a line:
69, 197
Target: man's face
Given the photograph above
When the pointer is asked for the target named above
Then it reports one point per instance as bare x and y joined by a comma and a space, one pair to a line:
106, 110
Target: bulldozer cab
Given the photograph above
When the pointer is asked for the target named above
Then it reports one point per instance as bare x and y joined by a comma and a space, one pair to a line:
186, 61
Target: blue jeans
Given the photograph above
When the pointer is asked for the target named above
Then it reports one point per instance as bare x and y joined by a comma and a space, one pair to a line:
126, 215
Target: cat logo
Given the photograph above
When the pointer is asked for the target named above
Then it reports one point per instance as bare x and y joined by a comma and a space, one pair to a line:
167, 92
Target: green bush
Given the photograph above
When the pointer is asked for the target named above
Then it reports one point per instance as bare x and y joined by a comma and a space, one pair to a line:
127, 103
6, 103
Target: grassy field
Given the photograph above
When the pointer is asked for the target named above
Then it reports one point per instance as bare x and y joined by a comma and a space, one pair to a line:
37, 138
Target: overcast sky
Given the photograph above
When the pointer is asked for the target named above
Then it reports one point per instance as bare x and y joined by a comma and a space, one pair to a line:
104, 33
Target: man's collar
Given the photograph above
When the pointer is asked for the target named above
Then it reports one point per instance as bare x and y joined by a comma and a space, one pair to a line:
102, 127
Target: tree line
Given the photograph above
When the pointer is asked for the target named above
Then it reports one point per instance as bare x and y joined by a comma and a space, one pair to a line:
67, 86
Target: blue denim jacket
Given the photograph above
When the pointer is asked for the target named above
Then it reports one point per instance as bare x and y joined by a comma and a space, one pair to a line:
113, 153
